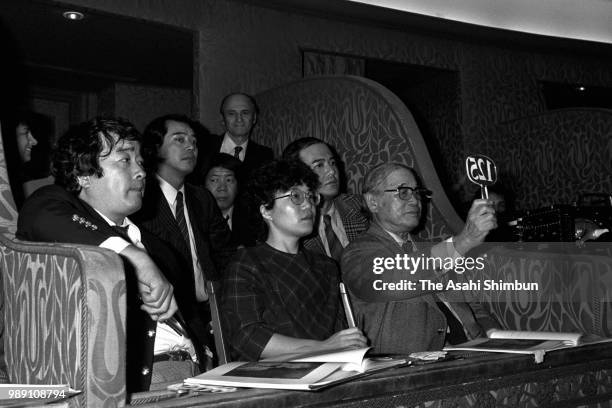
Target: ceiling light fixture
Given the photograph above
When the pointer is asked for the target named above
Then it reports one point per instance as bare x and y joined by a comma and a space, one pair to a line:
73, 15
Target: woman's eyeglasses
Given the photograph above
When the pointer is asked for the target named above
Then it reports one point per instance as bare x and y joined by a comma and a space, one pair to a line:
298, 196
406, 193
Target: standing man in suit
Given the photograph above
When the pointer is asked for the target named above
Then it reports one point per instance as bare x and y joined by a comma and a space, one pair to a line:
340, 219
184, 216
239, 116
99, 182
222, 182
416, 319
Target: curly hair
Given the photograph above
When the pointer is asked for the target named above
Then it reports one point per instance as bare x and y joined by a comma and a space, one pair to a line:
79, 150
153, 138
267, 181
279, 175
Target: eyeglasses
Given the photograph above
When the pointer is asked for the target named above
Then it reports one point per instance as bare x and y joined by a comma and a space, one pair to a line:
406, 193
298, 196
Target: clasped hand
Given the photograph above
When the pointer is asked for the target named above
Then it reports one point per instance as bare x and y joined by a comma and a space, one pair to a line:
480, 220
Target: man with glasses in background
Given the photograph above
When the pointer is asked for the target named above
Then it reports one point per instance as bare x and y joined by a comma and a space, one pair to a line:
395, 315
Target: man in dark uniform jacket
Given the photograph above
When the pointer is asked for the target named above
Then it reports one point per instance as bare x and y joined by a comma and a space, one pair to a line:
99, 182
239, 116
184, 216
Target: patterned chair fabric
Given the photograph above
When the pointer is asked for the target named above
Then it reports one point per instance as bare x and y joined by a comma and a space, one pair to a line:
8, 209
366, 123
64, 312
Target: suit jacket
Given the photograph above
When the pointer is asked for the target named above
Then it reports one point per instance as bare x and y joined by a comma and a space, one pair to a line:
52, 214
255, 156
243, 230
401, 321
212, 241
349, 206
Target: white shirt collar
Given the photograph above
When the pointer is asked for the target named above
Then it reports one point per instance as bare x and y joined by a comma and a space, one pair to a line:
227, 212
400, 241
169, 191
228, 142
112, 223
133, 231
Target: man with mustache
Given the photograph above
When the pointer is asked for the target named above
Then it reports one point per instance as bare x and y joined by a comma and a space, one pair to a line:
99, 182
185, 217
340, 218
415, 319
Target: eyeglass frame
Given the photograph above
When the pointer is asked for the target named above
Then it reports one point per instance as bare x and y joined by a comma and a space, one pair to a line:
313, 198
415, 192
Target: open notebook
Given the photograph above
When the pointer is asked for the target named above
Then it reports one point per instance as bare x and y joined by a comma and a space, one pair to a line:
297, 371
526, 342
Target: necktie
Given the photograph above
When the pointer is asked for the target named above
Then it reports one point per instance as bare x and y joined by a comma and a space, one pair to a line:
335, 247
180, 217
408, 246
122, 230
237, 151
456, 334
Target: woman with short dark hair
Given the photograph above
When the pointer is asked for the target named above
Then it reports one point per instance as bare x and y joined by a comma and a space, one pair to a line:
279, 297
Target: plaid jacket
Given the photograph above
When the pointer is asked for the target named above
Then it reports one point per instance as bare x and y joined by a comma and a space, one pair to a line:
351, 209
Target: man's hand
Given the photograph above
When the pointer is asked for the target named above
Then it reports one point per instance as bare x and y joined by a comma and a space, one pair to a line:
155, 290
158, 300
480, 220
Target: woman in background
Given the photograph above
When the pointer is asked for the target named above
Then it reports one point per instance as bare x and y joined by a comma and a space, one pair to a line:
27, 170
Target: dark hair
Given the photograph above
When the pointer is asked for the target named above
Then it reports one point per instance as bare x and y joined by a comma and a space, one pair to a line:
153, 137
41, 127
78, 151
293, 149
249, 97
279, 175
267, 181
226, 161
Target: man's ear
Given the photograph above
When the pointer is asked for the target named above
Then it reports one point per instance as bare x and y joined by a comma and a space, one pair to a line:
265, 213
84, 181
371, 201
254, 118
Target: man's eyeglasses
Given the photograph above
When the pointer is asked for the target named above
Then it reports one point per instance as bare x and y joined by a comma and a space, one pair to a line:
406, 193
298, 196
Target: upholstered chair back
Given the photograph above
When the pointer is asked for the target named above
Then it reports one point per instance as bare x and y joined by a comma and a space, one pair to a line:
63, 312
8, 210
367, 125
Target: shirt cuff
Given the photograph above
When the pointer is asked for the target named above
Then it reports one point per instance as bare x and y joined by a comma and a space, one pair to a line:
444, 250
115, 244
